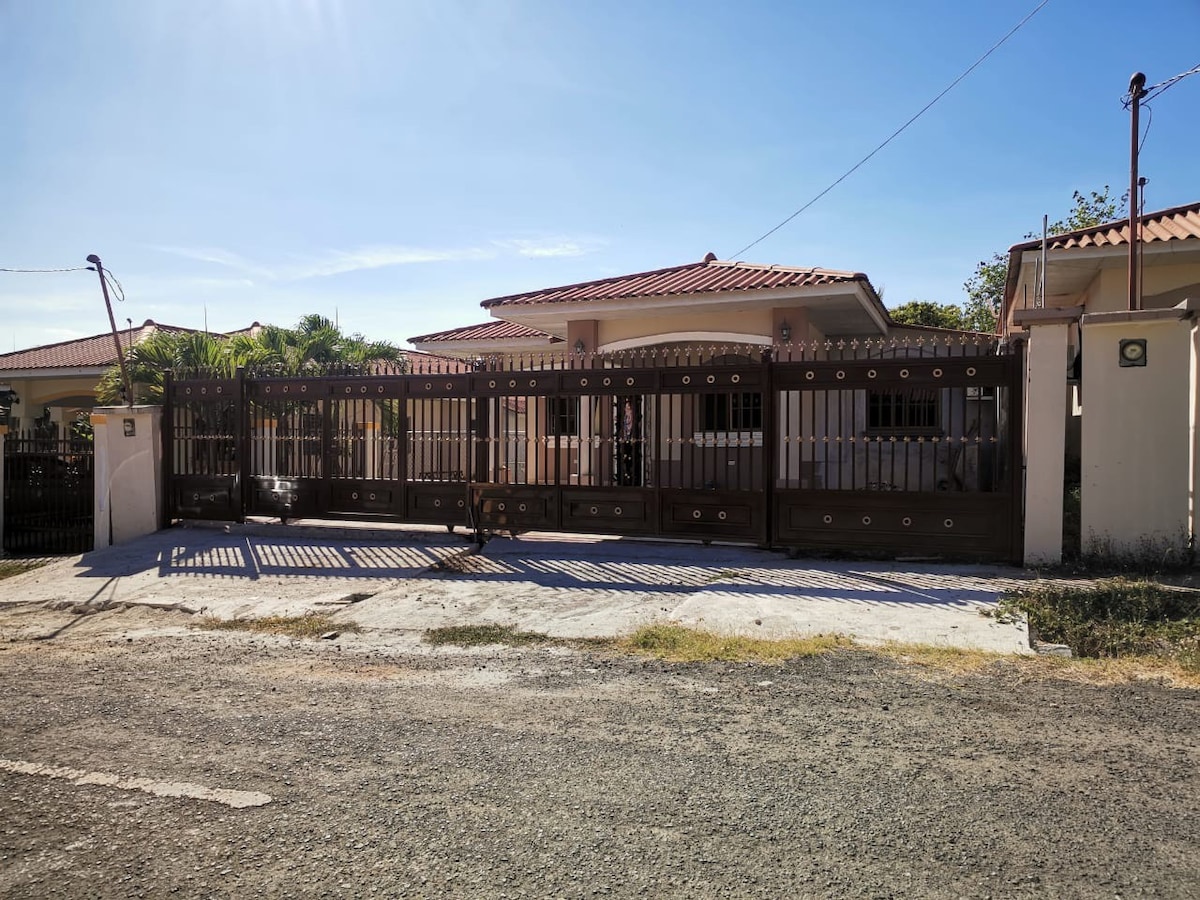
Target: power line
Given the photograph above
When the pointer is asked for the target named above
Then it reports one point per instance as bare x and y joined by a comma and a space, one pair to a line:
1157, 89
895, 134
45, 271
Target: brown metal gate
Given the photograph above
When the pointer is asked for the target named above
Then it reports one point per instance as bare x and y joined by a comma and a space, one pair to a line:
49, 496
901, 447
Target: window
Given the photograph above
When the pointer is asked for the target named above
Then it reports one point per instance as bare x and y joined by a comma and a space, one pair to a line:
563, 416
909, 411
731, 412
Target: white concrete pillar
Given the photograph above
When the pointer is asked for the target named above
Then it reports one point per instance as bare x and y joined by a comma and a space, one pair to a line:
1138, 466
1046, 410
128, 472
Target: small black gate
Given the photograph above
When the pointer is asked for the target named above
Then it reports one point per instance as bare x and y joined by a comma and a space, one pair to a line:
48, 494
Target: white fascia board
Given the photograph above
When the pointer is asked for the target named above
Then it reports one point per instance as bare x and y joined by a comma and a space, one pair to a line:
482, 348
60, 372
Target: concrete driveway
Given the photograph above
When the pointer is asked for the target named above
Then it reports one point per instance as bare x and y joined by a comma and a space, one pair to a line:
407, 579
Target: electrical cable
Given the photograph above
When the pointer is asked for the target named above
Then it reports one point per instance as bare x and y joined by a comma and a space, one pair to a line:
45, 271
115, 285
895, 134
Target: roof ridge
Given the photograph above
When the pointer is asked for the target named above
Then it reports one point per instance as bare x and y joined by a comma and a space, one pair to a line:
566, 287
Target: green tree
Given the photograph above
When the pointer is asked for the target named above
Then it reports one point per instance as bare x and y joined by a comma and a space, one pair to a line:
985, 287
315, 342
926, 312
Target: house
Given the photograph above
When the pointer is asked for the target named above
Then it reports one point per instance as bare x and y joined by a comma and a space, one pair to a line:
1113, 392
48, 386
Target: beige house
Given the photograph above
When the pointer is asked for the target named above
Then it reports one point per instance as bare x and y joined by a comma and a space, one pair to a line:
1113, 388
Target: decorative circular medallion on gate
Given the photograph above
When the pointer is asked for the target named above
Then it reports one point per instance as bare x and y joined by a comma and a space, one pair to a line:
871, 373
354, 495
595, 510
629, 381
204, 390
695, 513
348, 389
370, 496
607, 382
827, 519
904, 373
500, 506
970, 371
304, 388
937, 373
220, 390
949, 523
449, 385
212, 498
616, 510
866, 520
286, 388
274, 495
512, 382
711, 379
437, 503
521, 507
687, 379
583, 382
492, 383
461, 504
906, 521
196, 497
429, 386
187, 390
722, 515
735, 378
810, 375
841, 376
379, 390
363, 389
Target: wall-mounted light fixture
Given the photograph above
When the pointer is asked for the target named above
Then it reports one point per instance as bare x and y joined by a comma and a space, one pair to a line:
785, 331
579, 345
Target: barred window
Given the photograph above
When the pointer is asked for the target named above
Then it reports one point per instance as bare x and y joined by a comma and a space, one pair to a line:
904, 410
731, 412
563, 416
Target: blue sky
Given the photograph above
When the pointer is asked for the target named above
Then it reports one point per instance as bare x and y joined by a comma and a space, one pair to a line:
397, 161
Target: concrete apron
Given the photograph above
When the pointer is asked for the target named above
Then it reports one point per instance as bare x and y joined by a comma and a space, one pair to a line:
406, 579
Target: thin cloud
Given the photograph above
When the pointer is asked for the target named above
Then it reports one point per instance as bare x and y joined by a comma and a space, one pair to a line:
381, 256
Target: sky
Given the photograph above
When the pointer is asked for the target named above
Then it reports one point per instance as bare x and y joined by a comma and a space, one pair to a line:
392, 163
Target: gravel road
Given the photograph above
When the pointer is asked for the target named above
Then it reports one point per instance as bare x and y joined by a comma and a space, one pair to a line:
398, 771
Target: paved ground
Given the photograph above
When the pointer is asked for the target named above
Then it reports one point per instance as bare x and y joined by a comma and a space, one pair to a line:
568, 587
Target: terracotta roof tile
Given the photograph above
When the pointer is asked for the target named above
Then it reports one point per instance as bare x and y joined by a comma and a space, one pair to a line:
707, 276
82, 353
485, 331
1175, 224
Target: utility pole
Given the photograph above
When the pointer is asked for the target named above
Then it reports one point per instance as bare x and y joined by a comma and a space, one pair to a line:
1137, 90
112, 323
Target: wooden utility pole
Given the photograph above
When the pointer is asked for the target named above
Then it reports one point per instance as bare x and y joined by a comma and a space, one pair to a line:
1137, 90
112, 323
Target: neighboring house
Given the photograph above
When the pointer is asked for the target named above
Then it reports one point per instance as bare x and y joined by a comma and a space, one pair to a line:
55, 382
1113, 394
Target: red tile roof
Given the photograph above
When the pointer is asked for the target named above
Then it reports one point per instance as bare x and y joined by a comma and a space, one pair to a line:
84, 353
485, 331
1175, 224
707, 276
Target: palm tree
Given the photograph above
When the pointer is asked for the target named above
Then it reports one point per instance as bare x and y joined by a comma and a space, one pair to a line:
314, 343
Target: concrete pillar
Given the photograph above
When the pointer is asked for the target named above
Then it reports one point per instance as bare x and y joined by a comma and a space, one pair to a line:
128, 471
1138, 440
1046, 410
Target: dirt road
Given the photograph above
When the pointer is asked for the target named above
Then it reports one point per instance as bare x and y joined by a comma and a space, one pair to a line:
396, 771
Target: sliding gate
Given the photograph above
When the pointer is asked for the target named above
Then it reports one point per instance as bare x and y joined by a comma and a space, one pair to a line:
872, 446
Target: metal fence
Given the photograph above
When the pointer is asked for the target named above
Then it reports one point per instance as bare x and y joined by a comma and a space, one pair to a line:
892, 446
48, 494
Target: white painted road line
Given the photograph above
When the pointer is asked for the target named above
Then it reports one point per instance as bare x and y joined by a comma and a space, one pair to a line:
235, 799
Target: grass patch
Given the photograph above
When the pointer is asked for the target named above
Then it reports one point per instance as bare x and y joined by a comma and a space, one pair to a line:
11, 567
479, 635
1115, 618
309, 625
678, 643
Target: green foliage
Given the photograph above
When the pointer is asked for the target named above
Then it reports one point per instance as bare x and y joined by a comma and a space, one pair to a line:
315, 341
925, 312
985, 287
1115, 617
483, 635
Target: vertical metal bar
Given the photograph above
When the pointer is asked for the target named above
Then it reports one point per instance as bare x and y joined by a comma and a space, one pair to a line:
242, 439
770, 447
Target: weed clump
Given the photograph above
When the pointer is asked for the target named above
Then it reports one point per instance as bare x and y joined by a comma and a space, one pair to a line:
678, 643
1115, 617
480, 635
309, 625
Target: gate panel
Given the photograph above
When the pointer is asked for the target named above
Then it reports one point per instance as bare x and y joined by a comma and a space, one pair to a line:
205, 429
49, 494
